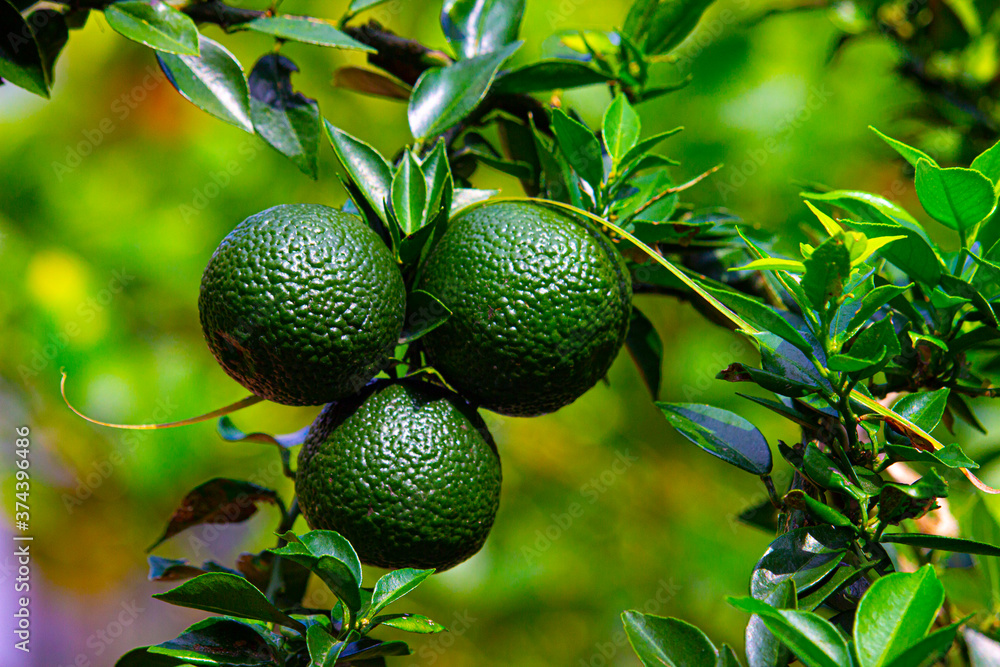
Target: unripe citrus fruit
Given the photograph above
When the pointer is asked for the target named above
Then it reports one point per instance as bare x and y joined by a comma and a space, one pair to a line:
302, 304
406, 471
540, 306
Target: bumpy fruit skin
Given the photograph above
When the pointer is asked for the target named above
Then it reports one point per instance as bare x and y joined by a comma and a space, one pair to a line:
540, 307
302, 304
406, 471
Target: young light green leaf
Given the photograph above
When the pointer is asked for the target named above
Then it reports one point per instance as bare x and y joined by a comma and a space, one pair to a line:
324, 649
366, 167
393, 586
287, 120
620, 128
409, 623
829, 224
224, 593
909, 153
896, 613
157, 25
668, 642
646, 349
580, 147
20, 55
957, 198
813, 639
772, 264
305, 29
721, 433
443, 96
212, 81
545, 75
476, 27
409, 193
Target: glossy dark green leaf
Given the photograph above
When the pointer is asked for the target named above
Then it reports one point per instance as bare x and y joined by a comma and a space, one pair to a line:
644, 345
727, 657
229, 432
157, 25
645, 145
667, 642
331, 557
141, 657
218, 500
879, 341
393, 586
804, 419
924, 409
763, 649
820, 511
545, 75
212, 81
895, 613
721, 433
444, 96
657, 26
477, 27
950, 456
51, 34
826, 474
557, 176
802, 555
223, 593
909, 153
366, 167
284, 118
929, 650
424, 313
409, 623
305, 29
324, 649
813, 639
484, 152
941, 543
367, 649
988, 164
826, 272
963, 292
785, 361
221, 641
648, 208
916, 254
984, 528
957, 198
580, 147
620, 128
842, 576
870, 304
409, 194
761, 315
20, 56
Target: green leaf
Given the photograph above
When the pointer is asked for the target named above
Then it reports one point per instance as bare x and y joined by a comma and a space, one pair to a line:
580, 147
814, 640
287, 120
219, 500
157, 25
957, 198
476, 27
324, 649
367, 648
545, 75
895, 613
620, 128
924, 409
409, 193
305, 29
141, 657
229, 432
331, 557
361, 5
909, 153
950, 456
444, 96
366, 168
870, 304
826, 474
464, 197
878, 341
658, 26
727, 657
800, 500
393, 586
942, 543
983, 527
916, 255
220, 641
929, 650
667, 642
760, 315
988, 164
646, 349
721, 433
826, 271
772, 264
842, 576
409, 623
213, 82
644, 146
51, 34
223, 593
20, 55
802, 555
788, 363
424, 313
848, 364
762, 648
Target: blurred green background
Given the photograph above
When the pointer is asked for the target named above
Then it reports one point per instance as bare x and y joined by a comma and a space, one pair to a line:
114, 194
